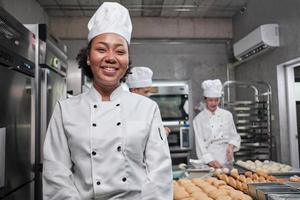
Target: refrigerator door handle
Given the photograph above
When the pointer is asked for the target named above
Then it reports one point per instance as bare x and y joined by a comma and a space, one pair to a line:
2, 156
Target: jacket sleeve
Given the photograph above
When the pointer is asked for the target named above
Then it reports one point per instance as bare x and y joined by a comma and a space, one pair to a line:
235, 138
158, 185
201, 149
57, 175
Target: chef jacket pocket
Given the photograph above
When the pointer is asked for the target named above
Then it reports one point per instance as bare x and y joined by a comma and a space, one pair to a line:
136, 136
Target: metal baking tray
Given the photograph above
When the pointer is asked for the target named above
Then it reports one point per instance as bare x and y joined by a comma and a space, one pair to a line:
294, 171
284, 197
262, 190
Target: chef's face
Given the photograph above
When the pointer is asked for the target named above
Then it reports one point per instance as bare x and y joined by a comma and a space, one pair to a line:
109, 59
212, 103
142, 91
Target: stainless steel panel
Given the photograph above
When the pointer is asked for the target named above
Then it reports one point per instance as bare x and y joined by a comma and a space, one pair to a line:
53, 89
2, 156
15, 104
26, 192
15, 37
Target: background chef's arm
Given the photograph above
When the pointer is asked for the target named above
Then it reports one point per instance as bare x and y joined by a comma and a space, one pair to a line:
201, 149
57, 174
235, 138
158, 163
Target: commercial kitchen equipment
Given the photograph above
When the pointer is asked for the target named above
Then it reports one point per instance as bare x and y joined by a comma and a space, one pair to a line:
17, 135
252, 116
172, 99
52, 85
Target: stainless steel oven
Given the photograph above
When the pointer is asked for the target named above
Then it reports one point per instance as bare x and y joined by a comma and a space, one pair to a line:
172, 98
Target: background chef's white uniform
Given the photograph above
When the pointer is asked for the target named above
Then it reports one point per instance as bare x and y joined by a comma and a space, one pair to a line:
213, 133
107, 150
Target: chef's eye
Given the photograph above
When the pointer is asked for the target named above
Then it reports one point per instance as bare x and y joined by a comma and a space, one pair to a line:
101, 50
121, 52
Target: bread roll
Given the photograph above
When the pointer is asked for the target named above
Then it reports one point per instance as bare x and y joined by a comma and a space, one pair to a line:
248, 174
254, 177
232, 182
226, 187
208, 189
216, 193
192, 189
234, 173
199, 195
219, 183
262, 172
249, 180
180, 193
185, 181
242, 178
239, 185
224, 198
262, 179
224, 177
211, 180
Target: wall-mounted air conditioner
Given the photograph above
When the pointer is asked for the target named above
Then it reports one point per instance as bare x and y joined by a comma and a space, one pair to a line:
260, 40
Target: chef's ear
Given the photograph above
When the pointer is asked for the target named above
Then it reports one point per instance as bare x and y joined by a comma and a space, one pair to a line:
88, 60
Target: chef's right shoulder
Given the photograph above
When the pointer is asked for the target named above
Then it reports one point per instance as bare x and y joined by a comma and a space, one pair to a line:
73, 100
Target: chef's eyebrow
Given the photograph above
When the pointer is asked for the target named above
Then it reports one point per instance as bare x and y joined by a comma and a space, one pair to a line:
107, 44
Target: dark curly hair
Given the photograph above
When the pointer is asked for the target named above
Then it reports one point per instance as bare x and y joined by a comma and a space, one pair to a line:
86, 69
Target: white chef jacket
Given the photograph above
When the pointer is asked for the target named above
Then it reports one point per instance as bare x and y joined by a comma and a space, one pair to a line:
107, 149
213, 133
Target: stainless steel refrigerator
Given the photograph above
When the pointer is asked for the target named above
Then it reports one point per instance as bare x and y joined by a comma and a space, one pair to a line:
52, 87
17, 135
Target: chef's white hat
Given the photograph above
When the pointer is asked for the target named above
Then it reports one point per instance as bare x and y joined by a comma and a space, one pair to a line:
110, 17
140, 77
212, 88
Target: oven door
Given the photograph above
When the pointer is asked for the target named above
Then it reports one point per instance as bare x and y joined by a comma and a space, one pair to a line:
172, 106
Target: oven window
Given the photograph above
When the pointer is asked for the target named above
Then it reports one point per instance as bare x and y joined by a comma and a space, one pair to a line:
171, 106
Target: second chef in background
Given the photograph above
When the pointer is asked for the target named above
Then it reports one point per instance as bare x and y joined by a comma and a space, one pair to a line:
216, 137
139, 81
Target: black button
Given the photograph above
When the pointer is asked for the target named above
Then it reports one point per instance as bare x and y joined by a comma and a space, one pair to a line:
119, 123
94, 124
124, 179
98, 182
119, 148
118, 104
95, 106
94, 153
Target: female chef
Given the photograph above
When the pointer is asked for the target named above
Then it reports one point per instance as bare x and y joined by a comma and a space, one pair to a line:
215, 133
107, 143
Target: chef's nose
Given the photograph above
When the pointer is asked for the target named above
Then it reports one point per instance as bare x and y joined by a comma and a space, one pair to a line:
110, 58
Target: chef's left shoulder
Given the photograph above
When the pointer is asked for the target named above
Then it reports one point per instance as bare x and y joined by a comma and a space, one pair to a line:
225, 112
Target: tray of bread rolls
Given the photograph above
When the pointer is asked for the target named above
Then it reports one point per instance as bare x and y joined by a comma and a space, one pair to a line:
206, 189
268, 167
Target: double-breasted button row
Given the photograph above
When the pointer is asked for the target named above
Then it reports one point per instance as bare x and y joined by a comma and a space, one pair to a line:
119, 148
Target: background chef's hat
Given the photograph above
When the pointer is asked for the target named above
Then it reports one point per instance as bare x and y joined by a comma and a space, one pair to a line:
140, 77
110, 17
212, 88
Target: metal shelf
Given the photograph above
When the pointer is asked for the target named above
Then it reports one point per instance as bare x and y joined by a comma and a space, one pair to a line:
252, 117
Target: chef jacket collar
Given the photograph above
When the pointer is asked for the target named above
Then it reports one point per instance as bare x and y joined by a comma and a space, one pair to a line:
209, 113
96, 96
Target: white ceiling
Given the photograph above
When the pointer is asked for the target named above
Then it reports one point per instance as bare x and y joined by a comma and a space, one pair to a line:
149, 8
